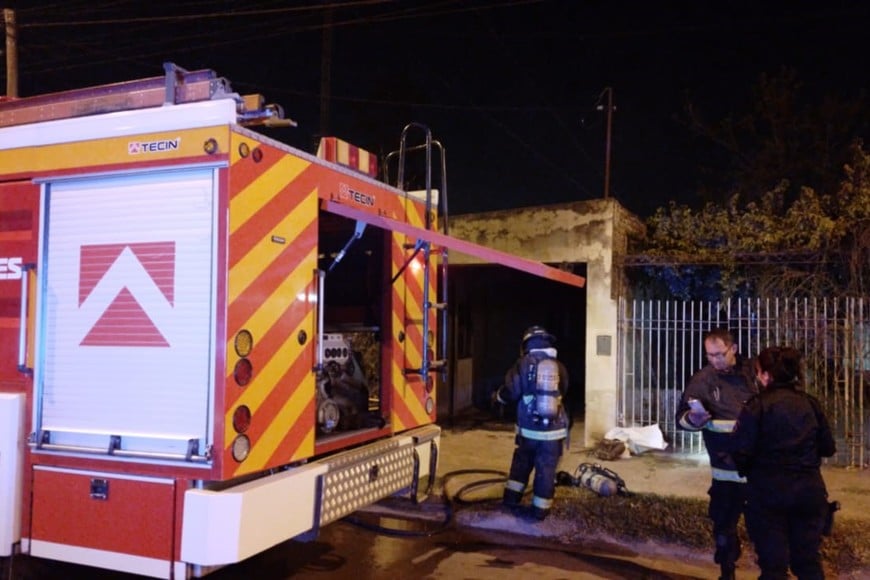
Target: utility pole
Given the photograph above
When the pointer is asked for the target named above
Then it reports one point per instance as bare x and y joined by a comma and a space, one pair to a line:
325, 71
609, 109
11, 53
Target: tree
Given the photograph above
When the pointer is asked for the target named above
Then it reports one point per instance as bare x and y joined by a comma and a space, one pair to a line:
786, 207
815, 244
785, 134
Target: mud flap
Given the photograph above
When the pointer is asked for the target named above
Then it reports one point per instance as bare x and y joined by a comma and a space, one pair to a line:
426, 444
416, 495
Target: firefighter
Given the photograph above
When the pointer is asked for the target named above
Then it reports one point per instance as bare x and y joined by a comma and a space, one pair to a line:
711, 403
782, 434
536, 383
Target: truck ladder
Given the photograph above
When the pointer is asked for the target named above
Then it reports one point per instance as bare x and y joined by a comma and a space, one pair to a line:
440, 362
177, 86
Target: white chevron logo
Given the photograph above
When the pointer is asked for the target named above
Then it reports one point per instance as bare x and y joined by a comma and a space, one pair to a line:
128, 304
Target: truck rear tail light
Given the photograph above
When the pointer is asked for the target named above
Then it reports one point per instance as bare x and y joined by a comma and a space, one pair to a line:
244, 343
243, 372
241, 418
210, 146
241, 448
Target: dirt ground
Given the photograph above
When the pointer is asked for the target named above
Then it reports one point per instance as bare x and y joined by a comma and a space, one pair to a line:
480, 443
480, 448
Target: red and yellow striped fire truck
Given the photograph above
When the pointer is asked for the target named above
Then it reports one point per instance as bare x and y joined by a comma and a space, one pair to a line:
212, 342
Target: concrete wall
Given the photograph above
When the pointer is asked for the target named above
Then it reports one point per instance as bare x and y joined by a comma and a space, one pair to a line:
461, 393
593, 232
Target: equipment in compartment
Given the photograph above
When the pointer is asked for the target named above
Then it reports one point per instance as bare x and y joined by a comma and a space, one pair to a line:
344, 393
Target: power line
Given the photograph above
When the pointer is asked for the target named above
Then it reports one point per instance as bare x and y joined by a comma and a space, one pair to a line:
247, 31
319, 7
406, 13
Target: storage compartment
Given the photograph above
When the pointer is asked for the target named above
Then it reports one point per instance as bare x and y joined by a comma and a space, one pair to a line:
126, 307
93, 518
349, 390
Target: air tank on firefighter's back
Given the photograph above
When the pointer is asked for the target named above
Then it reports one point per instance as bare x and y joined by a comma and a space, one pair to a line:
547, 398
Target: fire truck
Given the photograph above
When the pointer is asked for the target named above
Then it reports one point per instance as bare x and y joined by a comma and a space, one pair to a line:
212, 342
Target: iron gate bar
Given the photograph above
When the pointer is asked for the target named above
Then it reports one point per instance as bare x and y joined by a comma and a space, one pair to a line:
660, 345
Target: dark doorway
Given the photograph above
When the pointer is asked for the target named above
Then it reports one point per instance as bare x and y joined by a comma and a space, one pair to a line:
490, 308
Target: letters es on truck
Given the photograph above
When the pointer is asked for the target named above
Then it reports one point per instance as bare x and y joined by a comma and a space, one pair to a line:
212, 342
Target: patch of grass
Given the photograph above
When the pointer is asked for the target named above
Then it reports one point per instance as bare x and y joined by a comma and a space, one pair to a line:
638, 517
848, 547
683, 521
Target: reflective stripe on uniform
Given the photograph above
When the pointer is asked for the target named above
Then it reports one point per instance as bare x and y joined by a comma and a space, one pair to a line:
514, 485
553, 435
542, 502
685, 424
720, 474
721, 425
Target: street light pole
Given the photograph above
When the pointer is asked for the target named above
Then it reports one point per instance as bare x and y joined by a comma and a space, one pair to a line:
610, 108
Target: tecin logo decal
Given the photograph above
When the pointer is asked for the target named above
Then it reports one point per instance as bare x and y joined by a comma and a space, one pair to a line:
122, 279
346, 193
140, 147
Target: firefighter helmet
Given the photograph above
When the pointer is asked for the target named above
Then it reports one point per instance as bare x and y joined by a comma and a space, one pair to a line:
537, 337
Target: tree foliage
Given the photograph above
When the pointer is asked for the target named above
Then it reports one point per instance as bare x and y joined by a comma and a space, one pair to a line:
787, 202
815, 244
784, 134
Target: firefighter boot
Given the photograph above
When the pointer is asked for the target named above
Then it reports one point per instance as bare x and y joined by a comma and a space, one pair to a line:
728, 551
512, 498
540, 513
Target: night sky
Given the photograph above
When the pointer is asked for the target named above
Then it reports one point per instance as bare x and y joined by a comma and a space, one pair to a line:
510, 88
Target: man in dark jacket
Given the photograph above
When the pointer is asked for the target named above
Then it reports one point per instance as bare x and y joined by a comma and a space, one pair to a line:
536, 384
781, 436
711, 403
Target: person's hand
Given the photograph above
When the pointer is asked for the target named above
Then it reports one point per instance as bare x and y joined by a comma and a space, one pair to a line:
698, 415
495, 405
699, 418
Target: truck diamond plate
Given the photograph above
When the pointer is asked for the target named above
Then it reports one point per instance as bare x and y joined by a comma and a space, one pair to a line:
358, 480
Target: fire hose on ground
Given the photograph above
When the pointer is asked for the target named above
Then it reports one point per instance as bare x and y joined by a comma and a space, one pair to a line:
603, 481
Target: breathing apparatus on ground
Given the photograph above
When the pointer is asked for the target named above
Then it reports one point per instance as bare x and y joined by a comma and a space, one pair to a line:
605, 482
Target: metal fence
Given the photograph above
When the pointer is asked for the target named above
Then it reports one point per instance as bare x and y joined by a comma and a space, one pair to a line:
661, 345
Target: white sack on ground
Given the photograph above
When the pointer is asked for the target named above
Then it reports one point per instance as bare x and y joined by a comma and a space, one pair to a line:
639, 439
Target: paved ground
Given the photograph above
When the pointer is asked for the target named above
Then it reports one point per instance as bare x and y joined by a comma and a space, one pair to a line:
477, 444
